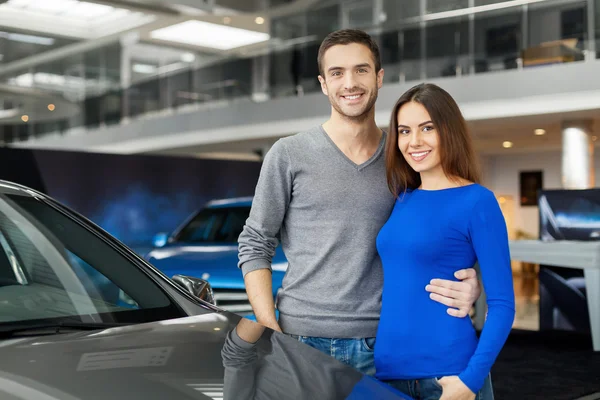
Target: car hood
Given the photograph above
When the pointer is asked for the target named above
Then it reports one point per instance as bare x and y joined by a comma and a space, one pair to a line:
212, 356
214, 263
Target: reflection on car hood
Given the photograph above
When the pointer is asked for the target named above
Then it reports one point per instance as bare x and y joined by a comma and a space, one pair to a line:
194, 252
217, 264
212, 356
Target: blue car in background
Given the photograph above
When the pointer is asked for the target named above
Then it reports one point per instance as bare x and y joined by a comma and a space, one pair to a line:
205, 246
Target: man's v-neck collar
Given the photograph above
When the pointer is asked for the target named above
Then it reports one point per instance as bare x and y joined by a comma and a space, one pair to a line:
365, 164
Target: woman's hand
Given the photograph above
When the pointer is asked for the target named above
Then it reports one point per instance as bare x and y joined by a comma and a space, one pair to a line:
454, 389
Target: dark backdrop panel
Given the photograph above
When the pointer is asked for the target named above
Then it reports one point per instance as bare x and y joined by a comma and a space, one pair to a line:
20, 166
131, 196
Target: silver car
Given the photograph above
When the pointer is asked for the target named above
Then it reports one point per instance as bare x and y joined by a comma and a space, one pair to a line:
83, 317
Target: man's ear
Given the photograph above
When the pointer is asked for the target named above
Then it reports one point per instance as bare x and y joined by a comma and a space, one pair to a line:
380, 78
323, 85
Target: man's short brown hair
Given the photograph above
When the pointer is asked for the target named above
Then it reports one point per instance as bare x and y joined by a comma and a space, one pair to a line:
349, 36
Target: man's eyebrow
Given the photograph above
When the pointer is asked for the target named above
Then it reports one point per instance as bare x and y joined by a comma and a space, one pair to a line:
363, 65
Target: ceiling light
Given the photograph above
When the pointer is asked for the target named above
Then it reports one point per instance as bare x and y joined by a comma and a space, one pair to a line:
51, 107
9, 113
200, 33
507, 144
259, 20
20, 37
144, 68
226, 20
53, 6
72, 18
25, 118
539, 132
188, 57
88, 10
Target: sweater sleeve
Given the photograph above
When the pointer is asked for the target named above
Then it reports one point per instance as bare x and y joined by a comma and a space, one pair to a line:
259, 238
488, 234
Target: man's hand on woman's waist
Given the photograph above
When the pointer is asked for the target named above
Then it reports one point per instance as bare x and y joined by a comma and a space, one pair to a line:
459, 296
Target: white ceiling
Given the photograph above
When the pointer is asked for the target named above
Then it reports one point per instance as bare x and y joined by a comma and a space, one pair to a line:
70, 18
489, 135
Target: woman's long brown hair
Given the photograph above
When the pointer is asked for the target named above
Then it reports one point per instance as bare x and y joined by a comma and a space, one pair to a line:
456, 147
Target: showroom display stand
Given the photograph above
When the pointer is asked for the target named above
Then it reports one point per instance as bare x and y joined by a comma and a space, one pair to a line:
568, 254
565, 254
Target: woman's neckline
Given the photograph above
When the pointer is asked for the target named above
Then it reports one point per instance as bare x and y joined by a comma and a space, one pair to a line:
446, 189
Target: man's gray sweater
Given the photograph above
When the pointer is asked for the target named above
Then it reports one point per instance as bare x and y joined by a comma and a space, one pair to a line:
327, 212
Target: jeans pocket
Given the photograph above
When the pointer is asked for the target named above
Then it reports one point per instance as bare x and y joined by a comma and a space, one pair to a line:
368, 343
436, 382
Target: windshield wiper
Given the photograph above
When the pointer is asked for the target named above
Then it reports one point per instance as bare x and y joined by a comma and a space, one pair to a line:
53, 328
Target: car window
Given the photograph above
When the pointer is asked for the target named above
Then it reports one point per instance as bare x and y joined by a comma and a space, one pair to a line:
221, 225
53, 267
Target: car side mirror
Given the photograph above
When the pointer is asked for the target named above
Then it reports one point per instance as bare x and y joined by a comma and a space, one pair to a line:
198, 288
160, 239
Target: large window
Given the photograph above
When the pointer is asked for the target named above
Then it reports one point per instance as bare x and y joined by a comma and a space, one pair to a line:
359, 14
399, 10
557, 34
434, 6
547, 24
447, 48
401, 54
597, 23
498, 41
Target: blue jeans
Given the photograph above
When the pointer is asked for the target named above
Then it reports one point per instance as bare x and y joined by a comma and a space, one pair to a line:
357, 353
430, 389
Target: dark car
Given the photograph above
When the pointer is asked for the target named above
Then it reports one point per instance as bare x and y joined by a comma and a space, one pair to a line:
83, 317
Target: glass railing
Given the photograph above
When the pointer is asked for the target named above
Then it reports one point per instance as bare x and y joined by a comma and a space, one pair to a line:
411, 54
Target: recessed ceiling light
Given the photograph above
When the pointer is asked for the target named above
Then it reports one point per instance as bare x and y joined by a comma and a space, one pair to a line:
200, 33
20, 37
144, 68
25, 118
259, 20
539, 132
188, 57
507, 144
51, 107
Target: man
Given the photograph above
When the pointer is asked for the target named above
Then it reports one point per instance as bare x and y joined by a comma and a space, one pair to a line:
324, 193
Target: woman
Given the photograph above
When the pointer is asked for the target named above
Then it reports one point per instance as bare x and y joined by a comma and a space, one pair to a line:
443, 220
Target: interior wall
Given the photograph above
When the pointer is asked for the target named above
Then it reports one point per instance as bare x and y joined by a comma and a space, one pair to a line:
501, 175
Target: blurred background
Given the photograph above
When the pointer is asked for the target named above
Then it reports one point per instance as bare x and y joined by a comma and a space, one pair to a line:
137, 113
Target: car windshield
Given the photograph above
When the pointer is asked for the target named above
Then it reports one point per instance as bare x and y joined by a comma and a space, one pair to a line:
221, 225
53, 268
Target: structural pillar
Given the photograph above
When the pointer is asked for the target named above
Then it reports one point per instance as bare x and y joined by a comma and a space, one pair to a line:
126, 41
578, 173
577, 155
